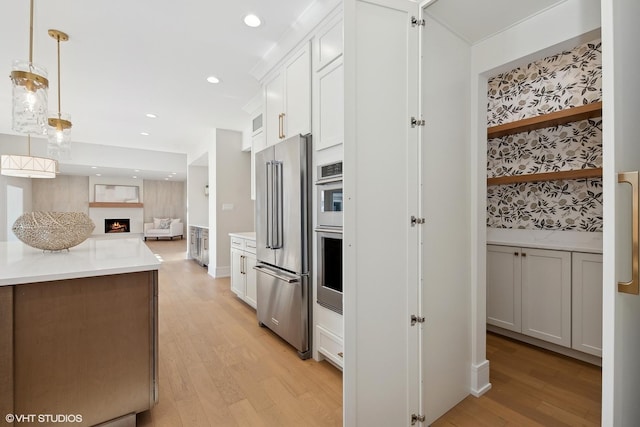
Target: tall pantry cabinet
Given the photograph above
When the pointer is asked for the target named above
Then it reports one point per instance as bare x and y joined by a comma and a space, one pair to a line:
404, 235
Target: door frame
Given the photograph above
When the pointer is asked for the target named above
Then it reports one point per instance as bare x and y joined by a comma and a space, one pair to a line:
488, 61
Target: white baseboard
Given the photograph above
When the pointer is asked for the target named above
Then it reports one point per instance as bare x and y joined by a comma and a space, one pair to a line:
480, 379
217, 272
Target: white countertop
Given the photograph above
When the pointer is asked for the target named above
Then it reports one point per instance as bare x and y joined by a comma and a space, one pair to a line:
20, 263
249, 235
574, 241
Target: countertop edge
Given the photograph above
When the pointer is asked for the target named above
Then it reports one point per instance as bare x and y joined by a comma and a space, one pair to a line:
78, 275
247, 235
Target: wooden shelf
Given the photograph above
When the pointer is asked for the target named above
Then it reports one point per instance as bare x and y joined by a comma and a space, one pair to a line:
546, 176
561, 117
114, 205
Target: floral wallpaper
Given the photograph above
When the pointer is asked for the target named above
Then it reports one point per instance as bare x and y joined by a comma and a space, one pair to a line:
560, 81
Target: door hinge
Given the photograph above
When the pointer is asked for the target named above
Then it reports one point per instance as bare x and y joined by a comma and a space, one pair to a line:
415, 122
415, 221
415, 22
416, 319
417, 419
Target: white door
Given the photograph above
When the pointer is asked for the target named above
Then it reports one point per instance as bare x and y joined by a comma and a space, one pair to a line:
621, 148
237, 273
297, 92
381, 376
274, 108
546, 295
504, 287
445, 205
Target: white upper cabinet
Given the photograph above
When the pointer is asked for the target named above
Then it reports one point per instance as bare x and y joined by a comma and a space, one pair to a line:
329, 45
328, 84
287, 98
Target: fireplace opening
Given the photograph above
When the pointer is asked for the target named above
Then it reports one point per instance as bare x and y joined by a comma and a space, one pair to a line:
116, 225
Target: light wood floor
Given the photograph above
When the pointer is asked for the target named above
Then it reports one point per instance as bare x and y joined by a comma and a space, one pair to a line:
531, 387
218, 368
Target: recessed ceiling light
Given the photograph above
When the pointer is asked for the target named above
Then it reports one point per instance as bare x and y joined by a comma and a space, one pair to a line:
174, 173
166, 179
213, 79
94, 167
136, 170
98, 174
134, 177
144, 133
151, 115
252, 21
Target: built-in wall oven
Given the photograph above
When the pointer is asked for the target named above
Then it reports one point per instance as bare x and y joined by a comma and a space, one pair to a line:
329, 236
329, 185
329, 291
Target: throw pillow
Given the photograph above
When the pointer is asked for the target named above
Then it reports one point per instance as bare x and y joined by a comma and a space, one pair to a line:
164, 224
175, 221
156, 223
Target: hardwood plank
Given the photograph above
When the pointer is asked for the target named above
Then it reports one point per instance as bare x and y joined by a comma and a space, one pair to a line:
556, 118
216, 360
546, 176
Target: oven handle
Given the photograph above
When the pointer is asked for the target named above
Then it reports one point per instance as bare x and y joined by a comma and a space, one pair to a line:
270, 272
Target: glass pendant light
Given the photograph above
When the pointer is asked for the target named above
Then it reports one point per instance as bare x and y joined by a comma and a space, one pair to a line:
59, 124
30, 87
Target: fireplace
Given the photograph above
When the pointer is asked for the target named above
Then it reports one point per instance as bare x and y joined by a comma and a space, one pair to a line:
116, 225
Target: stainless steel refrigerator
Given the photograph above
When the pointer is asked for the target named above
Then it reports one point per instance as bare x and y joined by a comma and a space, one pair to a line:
283, 240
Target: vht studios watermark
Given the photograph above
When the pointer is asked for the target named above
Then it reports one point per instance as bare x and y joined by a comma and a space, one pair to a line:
43, 418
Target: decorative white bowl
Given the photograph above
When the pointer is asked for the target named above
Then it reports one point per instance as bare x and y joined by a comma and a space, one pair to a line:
53, 231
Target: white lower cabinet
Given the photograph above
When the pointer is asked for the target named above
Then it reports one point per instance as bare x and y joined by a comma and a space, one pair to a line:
555, 296
329, 333
546, 295
587, 303
243, 277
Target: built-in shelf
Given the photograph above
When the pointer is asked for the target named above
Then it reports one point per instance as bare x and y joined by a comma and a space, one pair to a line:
546, 176
114, 205
556, 118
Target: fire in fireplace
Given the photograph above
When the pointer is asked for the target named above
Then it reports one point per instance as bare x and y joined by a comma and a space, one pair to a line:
116, 225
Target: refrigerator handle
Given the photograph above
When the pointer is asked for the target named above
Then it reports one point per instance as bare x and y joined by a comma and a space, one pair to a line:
269, 197
278, 214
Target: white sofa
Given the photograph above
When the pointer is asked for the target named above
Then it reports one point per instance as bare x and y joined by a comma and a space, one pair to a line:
154, 229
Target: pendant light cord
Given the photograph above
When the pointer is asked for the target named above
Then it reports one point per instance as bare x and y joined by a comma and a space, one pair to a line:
59, 90
31, 34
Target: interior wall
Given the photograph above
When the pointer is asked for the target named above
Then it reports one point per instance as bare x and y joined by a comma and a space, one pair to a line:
64, 193
26, 185
566, 25
570, 78
198, 208
164, 199
233, 205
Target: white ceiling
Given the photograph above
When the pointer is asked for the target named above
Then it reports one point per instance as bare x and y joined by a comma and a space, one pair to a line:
126, 58
476, 20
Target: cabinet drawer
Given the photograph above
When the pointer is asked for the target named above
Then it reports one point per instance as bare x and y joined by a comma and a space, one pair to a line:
330, 345
237, 243
250, 246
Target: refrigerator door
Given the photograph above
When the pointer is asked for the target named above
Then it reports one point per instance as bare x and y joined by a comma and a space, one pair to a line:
264, 205
283, 299
291, 204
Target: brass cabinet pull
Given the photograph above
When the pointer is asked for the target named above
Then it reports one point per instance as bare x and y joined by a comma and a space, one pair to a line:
281, 125
632, 287
282, 135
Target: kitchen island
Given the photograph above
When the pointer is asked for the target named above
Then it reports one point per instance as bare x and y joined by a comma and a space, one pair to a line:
78, 332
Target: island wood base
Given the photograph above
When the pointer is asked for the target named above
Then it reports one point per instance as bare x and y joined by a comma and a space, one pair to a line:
85, 346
